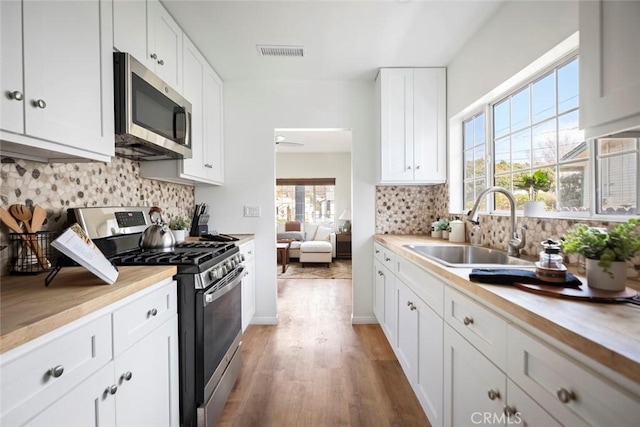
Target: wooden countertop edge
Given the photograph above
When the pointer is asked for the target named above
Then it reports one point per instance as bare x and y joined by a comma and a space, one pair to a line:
37, 328
613, 359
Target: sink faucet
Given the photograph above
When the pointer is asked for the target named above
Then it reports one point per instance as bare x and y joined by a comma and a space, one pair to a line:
515, 243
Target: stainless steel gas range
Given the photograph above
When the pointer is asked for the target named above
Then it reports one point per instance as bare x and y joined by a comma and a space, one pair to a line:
209, 304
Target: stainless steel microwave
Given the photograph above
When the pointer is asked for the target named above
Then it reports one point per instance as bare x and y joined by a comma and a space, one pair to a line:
152, 120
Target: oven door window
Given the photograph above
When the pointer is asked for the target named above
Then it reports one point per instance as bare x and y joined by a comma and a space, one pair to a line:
221, 324
156, 112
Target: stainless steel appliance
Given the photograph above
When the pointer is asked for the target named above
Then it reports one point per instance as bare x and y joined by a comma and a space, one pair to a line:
152, 120
209, 304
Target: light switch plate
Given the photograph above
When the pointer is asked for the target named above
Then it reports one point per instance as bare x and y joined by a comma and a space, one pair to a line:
252, 211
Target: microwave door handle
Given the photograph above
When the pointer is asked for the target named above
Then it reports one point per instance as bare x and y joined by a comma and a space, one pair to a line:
187, 136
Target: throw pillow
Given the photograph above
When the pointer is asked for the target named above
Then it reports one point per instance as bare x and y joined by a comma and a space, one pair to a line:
295, 235
323, 233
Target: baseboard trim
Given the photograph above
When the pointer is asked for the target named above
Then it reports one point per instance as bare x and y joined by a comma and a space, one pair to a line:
363, 320
264, 320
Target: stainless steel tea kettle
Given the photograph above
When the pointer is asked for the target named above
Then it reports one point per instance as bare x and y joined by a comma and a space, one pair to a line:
157, 236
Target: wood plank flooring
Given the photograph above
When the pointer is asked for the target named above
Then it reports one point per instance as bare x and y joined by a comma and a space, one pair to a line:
315, 369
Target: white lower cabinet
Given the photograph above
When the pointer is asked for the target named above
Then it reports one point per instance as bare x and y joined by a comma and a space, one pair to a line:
384, 300
247, 250
73, 376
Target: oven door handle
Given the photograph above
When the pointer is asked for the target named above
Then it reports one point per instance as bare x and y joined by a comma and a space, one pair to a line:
235, 278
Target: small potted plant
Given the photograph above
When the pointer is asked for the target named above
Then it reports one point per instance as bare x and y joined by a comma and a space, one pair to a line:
180, 227
444, 227
606, 251
535, 182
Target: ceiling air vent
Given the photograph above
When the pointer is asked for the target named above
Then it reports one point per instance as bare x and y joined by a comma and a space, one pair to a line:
275, 50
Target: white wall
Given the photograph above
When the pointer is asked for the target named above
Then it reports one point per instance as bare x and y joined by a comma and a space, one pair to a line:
518, 34
253, 109
320, 165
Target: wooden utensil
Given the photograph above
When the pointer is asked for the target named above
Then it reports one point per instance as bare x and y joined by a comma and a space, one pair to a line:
24, 214
39, 215
11, 222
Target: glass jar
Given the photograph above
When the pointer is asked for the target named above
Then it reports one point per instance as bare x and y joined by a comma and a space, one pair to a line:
550, 256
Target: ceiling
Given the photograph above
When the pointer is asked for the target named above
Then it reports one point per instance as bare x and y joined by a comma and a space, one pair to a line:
343, 40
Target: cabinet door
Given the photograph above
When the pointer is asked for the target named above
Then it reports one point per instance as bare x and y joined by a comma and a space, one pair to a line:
147, 380
68, 73
396, 124
166, 38
193, 68
389, 326
609, 66
523, 410
86, 405
248, 284
12, 117
407, 348
130, 30
429, 125
429, 377
213, 130
473, 387
378, 291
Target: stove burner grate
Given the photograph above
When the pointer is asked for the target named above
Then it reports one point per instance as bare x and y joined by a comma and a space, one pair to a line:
164, 258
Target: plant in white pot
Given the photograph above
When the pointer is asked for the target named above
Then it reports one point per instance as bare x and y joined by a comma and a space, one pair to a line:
535, 182
443, 226
606, 251
180, 228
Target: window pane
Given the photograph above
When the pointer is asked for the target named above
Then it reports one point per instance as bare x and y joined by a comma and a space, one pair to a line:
544, 143
570, 139
616, 145
480, 186
468, 164
543, 101
502, 155
501, 119
480, 161
573, 195
520, 112
468, 134
479, 129
521, 149
568, 86
618, 191
500, 200
468, 194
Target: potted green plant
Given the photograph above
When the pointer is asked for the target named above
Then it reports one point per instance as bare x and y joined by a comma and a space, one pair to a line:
180, 227
535, 182
606, 251
444, 227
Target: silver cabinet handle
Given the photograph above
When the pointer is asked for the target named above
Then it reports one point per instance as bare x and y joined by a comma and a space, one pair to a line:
16, 94
57, 371
387, 259
509, 411
112, 389
152, 312
250, 252
208, 165
418, 167
154, 56
40, 103
161, 62
565, 396
377, 251
126, 376
411, 305
493, 394
467, 320
408, 167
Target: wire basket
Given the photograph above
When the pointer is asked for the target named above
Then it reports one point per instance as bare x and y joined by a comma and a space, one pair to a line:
31, 253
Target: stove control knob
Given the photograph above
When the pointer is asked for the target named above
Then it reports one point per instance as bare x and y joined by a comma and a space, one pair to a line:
224, 269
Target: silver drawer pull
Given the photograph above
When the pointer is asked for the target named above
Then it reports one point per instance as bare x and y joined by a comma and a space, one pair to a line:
377, 251
152, 312
509, 411
387, 259
467, 320
411, 305
16, 94
565, 395
161, 62
40, 103
126, 376
112, 389
154, 56
56, 371
493, 394
380, 273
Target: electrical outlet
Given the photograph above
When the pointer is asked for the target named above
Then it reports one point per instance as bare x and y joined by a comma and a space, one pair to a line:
253, 211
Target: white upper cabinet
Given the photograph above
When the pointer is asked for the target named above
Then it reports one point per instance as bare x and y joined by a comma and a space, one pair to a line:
57, 86
203, 89
412, 125
609, 66
145, 29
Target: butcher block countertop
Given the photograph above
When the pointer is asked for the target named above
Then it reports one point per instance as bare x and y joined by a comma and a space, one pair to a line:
606, 333
28, 309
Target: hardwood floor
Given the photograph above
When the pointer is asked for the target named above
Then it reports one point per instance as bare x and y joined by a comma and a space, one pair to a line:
315, 369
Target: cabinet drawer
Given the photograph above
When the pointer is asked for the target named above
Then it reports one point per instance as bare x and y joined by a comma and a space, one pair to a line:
386, 257
425, 285
571, 393
378, 252
138, 318
248, 250
29, 381
486, 331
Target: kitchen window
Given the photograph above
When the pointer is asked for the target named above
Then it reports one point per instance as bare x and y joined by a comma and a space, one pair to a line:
534, 127
617, 175
309, 200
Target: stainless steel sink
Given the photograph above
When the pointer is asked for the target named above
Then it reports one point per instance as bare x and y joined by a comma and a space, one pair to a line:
468, 256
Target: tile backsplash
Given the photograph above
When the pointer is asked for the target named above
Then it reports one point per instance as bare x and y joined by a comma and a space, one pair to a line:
58, 186
411, 209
